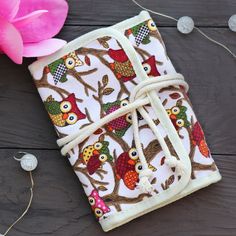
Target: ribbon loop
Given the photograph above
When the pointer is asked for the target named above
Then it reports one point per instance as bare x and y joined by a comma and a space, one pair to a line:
139, 97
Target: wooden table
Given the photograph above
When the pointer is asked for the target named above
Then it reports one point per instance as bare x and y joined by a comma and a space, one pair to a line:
60, 206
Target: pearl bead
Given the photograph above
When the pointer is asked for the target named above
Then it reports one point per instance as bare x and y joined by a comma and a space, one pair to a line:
232, 23
28, 162
185, 25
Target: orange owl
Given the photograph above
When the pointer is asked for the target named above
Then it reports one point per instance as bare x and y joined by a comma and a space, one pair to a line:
198, 139
128, 167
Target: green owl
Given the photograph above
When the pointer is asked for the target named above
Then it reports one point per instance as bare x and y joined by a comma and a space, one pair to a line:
65, 112
142, 31
59, 68
178, 116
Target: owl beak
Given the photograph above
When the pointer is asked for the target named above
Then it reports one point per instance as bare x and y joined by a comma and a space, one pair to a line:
64, 116
131, 162
173, 117
95, 152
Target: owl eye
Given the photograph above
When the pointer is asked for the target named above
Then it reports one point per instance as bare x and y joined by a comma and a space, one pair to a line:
151, 25
72, 118
133, 154
175, 110
138, 167
70, 62
147, 68
124, 103
168, 112
65, 106
128, 118
103, 157
98, 212
98, 146
180, 122
91, 201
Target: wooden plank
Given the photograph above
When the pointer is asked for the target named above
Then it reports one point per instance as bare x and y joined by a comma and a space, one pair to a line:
209, 70
205, 13
60, 206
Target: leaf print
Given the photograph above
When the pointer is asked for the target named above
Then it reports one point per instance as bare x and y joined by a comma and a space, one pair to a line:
162, 161
105, 80
108, 91
102, 188
174, 95
87, 60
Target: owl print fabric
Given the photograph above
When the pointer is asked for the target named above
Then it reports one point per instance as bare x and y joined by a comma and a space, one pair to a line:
94, 78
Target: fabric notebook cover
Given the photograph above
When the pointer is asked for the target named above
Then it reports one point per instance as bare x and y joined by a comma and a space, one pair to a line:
92, 77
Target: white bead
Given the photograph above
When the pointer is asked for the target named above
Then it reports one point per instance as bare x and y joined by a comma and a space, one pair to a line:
185, 25
232, 23
28, 162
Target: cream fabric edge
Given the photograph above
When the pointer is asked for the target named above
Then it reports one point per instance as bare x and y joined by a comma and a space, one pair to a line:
154, 203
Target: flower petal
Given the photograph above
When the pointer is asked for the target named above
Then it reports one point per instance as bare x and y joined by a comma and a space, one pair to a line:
9, 8
45, 26
10, 41
43, 48
27, 19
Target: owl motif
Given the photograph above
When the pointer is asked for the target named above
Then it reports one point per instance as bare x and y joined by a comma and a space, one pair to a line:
65, 112
121, 124
123, 68
95, 155
97, 204
128, 167
150, 68
198, 139
142, 31
178, 116
59, 68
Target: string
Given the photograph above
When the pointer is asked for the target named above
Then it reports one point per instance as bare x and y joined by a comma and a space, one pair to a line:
27, 208
195, 27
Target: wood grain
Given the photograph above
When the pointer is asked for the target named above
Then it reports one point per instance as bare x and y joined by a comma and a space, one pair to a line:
60, 206
106, 12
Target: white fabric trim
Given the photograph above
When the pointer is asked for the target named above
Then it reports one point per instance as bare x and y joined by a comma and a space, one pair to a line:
155, 202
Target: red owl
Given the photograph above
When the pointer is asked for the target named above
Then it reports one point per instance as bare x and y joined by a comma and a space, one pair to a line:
198, 139
150, 67
128, 168
123, 68
65, 112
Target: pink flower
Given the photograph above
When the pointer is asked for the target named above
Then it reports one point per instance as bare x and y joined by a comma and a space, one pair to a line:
27, 27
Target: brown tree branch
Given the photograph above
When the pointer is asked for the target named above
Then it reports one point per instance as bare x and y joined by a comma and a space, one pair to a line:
43, 83
77, 76
198, 166
144, 54
99, 53
93, 181
111, 200
60, 91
